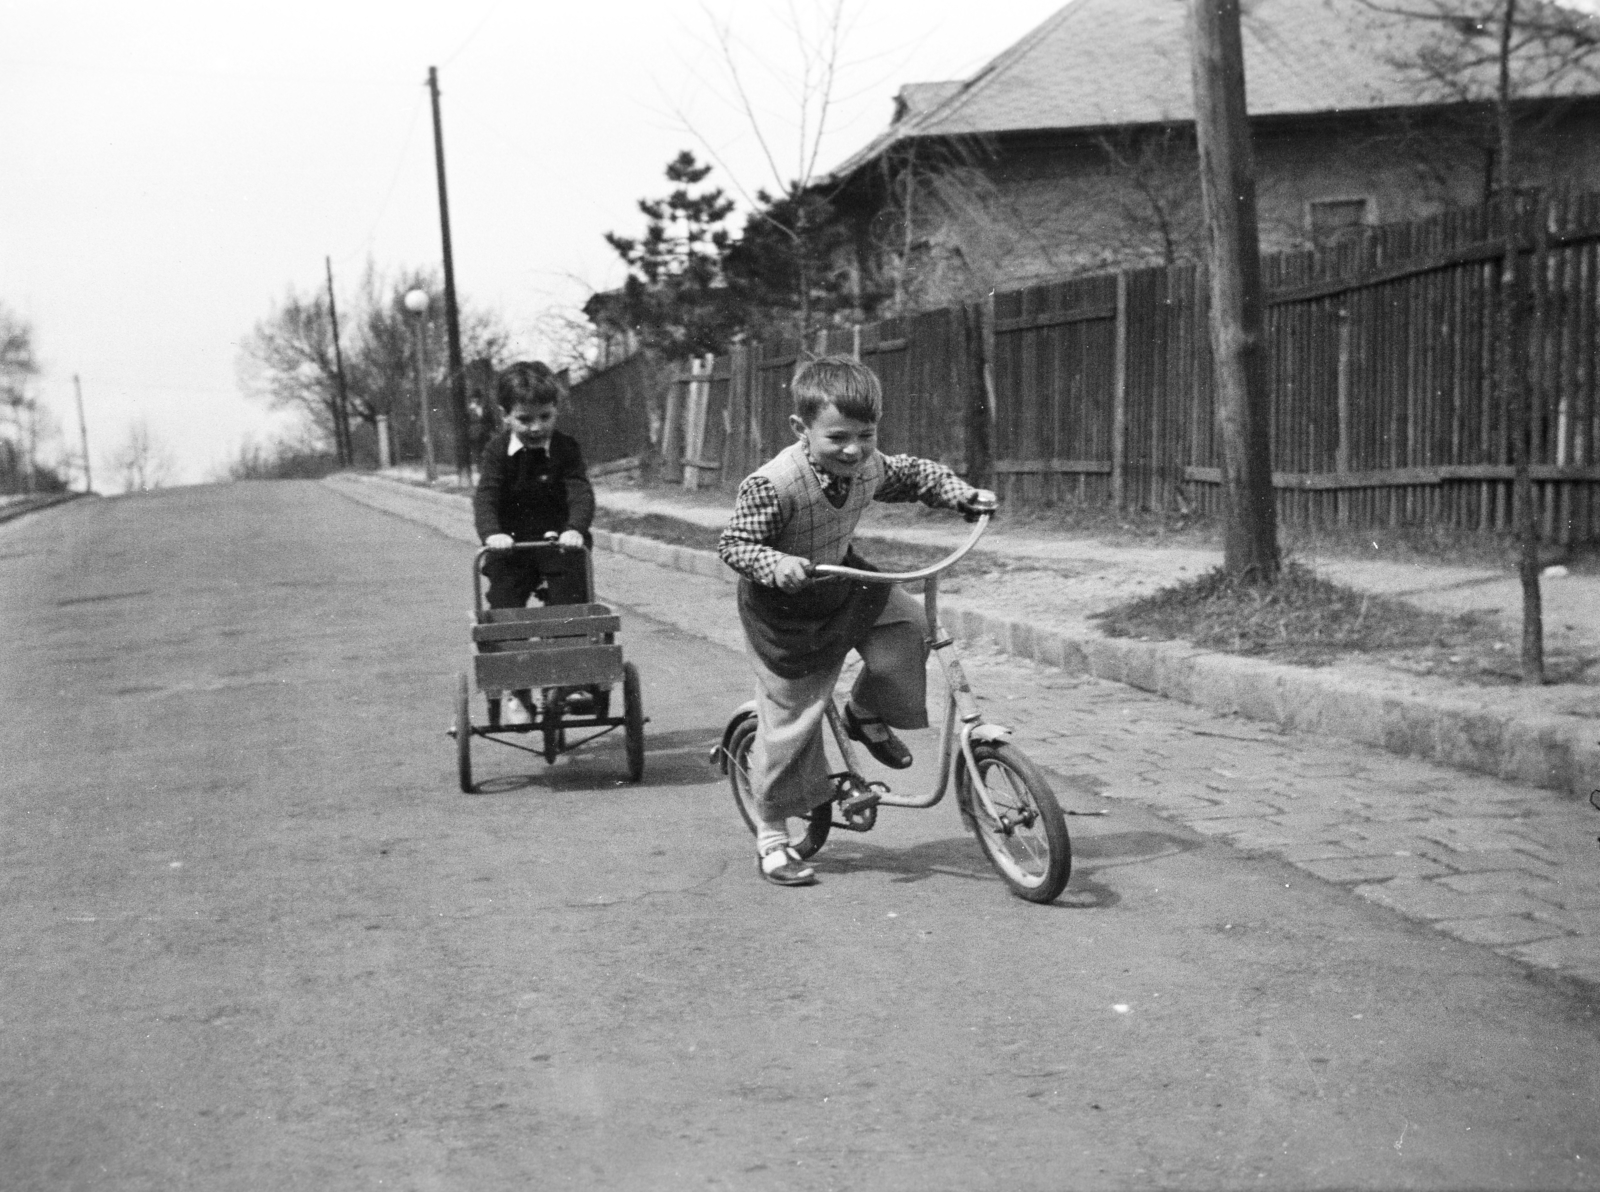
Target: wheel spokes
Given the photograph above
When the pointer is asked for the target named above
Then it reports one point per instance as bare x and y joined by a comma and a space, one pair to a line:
1016, 845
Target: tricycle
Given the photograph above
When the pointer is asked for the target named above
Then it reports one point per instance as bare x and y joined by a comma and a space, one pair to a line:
558, 662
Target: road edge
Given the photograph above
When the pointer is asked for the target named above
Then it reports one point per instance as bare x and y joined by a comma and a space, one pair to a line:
23, 508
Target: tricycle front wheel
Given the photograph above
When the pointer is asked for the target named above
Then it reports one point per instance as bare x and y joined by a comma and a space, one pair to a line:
1028, 845
464, 735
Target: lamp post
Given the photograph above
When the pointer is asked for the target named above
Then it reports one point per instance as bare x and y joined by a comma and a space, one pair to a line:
416, 301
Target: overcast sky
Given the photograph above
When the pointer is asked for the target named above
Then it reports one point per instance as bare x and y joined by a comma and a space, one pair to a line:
168, 171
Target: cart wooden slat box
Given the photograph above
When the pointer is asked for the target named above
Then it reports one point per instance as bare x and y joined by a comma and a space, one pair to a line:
557, 650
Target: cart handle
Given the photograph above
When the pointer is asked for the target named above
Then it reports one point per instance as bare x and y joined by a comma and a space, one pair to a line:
905, 577
549, 542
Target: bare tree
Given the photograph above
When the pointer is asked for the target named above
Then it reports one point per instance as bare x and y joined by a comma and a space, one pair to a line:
785, 209
1494, 56
1159, 205
18, 368
567, 341
945, 231
288, 360
143, 461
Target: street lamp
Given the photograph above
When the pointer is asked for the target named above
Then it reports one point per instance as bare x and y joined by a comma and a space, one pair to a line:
416, 301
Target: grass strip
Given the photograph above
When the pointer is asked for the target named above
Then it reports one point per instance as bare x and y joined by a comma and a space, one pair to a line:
1303, 618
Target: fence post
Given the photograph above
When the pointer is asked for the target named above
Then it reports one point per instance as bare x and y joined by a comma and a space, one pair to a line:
976, 436
670, 424
694, 419
1341, 452
991, 404
733, 445
385, 451
1119, 398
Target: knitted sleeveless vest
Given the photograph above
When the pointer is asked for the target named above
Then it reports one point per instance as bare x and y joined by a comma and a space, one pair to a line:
803, 633
813, 528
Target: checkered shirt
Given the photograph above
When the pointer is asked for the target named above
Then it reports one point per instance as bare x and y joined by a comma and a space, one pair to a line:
757, 514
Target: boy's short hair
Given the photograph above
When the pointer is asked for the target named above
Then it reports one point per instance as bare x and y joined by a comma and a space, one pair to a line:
842, 382
528, 382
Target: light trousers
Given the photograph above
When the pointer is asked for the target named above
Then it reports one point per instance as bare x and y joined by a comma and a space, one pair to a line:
788, 764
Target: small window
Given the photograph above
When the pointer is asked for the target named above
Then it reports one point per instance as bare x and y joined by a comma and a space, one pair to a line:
1331, 218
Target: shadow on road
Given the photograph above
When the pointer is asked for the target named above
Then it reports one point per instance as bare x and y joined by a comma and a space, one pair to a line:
670, 759
960, 857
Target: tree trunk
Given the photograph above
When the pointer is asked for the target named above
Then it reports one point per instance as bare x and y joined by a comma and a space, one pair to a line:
1515, 392
1233, 257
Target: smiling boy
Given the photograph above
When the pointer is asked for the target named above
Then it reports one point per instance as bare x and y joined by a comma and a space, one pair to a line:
798, 509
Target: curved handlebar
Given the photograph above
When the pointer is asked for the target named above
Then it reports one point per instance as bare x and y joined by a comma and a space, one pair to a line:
904, 577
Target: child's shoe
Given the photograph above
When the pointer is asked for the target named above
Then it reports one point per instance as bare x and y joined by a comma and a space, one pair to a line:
783, 867
882, 743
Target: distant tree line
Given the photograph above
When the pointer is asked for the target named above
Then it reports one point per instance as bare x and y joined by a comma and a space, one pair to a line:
289, 362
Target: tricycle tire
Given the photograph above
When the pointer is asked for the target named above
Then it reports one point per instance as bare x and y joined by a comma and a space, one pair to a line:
464, 735
633, 721
555, 737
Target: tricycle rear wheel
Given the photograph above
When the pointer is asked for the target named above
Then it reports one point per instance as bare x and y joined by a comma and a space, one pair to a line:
464, 735
633, 721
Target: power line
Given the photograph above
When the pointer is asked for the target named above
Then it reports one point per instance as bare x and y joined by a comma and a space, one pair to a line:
65, 66
405, 147
477, 29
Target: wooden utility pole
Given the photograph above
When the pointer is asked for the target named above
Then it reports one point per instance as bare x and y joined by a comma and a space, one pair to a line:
83, 435
1233, 259
458, 378
342, 445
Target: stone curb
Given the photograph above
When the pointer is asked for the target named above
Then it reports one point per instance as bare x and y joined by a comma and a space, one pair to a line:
1543, 751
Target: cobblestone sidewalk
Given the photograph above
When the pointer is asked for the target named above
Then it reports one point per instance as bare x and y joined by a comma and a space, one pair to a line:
1484, 860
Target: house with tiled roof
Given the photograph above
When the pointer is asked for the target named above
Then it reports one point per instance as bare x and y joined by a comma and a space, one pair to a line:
1073, 150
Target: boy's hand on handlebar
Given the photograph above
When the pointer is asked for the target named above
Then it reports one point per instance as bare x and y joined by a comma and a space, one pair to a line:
570, 538
791, 573
499, 542
980, 502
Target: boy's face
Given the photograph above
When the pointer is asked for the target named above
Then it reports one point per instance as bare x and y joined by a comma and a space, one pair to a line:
532, 423
841, 445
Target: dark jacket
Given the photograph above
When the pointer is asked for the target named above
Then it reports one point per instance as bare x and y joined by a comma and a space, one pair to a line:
533, 492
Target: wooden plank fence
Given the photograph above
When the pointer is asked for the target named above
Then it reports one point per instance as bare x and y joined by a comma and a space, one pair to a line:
1381, 359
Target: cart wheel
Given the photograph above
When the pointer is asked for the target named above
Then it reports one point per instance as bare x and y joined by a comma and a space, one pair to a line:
555, 737
633, 720
806, 833
464, 736
1029, 848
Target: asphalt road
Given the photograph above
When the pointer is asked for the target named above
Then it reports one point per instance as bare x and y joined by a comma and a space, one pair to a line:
255, 937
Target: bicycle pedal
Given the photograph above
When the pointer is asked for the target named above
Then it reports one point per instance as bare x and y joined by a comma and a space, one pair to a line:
859, 803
